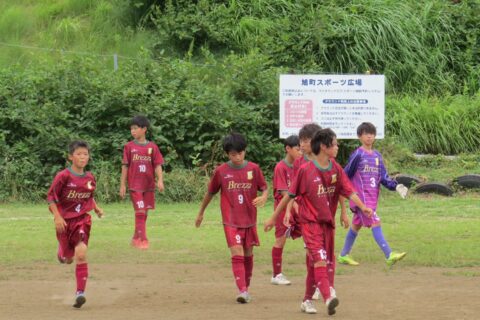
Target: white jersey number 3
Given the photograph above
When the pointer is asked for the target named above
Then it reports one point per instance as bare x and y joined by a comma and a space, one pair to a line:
373, 184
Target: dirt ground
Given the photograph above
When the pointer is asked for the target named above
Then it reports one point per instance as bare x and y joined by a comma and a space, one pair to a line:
168, 291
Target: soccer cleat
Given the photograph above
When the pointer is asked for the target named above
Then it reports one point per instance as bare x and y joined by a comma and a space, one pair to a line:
394, 257
79, 299
244, 297
280, 279
308, 307
316, 294
347, 260
331, 304
136, 243
144, 244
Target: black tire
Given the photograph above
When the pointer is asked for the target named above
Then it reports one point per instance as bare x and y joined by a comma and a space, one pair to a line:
434, 187
469, 181
408, 180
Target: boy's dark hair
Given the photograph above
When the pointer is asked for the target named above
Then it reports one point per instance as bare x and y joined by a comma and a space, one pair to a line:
323, 136
234, 142
140, 121
366, 127
308, 131
74, 145
291, 141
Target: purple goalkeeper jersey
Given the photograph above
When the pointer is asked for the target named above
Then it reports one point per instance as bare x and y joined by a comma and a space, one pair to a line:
367, 171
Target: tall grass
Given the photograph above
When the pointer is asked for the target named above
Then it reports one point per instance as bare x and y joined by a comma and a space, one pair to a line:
437, 126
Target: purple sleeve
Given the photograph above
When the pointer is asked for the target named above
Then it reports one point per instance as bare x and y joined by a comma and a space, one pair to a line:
352, 164
385, 180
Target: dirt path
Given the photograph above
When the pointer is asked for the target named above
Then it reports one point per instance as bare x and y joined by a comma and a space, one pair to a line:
168, 291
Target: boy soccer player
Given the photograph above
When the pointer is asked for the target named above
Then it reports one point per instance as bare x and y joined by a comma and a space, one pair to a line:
319, 183
239, 182
282, 177
306, 134
70, 198
142, 161
366, 170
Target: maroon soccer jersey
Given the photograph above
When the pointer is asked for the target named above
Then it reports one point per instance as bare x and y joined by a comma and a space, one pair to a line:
298, 163
72, 193
239, 186
141, 159
320, 189
282, 179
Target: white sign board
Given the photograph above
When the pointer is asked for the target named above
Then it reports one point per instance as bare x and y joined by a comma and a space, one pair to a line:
339, 102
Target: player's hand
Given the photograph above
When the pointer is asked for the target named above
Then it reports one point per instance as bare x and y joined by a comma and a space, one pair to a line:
286, 219
99, 212
199, 220
368, 212
123, 191
344, 220
259, 201
402, 190
268, 225
160, 186
60, 224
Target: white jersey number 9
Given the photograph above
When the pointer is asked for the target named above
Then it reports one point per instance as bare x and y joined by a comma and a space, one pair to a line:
240, 198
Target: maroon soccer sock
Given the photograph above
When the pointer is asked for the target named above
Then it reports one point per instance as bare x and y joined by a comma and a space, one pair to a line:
81, 273
248, 262
331, 273
310, 280
277, 260
140, 226
238, 268
321, 279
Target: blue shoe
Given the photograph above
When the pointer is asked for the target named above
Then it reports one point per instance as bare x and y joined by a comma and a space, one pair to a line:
79, 300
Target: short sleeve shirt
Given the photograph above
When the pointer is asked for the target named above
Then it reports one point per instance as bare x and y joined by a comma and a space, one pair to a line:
282, 179
320, 189
239, 186
141, 159
72, 193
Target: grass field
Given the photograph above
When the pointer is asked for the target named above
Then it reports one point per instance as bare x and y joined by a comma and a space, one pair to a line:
435, 231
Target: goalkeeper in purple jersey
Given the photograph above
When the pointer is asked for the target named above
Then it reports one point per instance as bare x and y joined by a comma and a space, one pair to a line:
366, 170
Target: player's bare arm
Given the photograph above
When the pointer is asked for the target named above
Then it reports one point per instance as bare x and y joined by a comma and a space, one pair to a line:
344, 221
123, 181
366, 211
159, 174
269, 223
97, 209
206, 200
288, 210
60, 223
261, 200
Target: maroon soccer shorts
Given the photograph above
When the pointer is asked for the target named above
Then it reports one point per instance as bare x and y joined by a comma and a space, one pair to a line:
245, 237
143, 200
76, 231
319, 241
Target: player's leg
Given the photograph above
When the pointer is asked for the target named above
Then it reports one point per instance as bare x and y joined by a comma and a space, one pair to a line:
344, 257
277, 254
248, 263
140, 218
65, 252
317, 246
235, 244
310, 287
390, 256
81, 273
149, 204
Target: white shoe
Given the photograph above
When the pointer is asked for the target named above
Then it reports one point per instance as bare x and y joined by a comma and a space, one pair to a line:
244, 297
316, 295
280, 279
331, 304
307, 307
